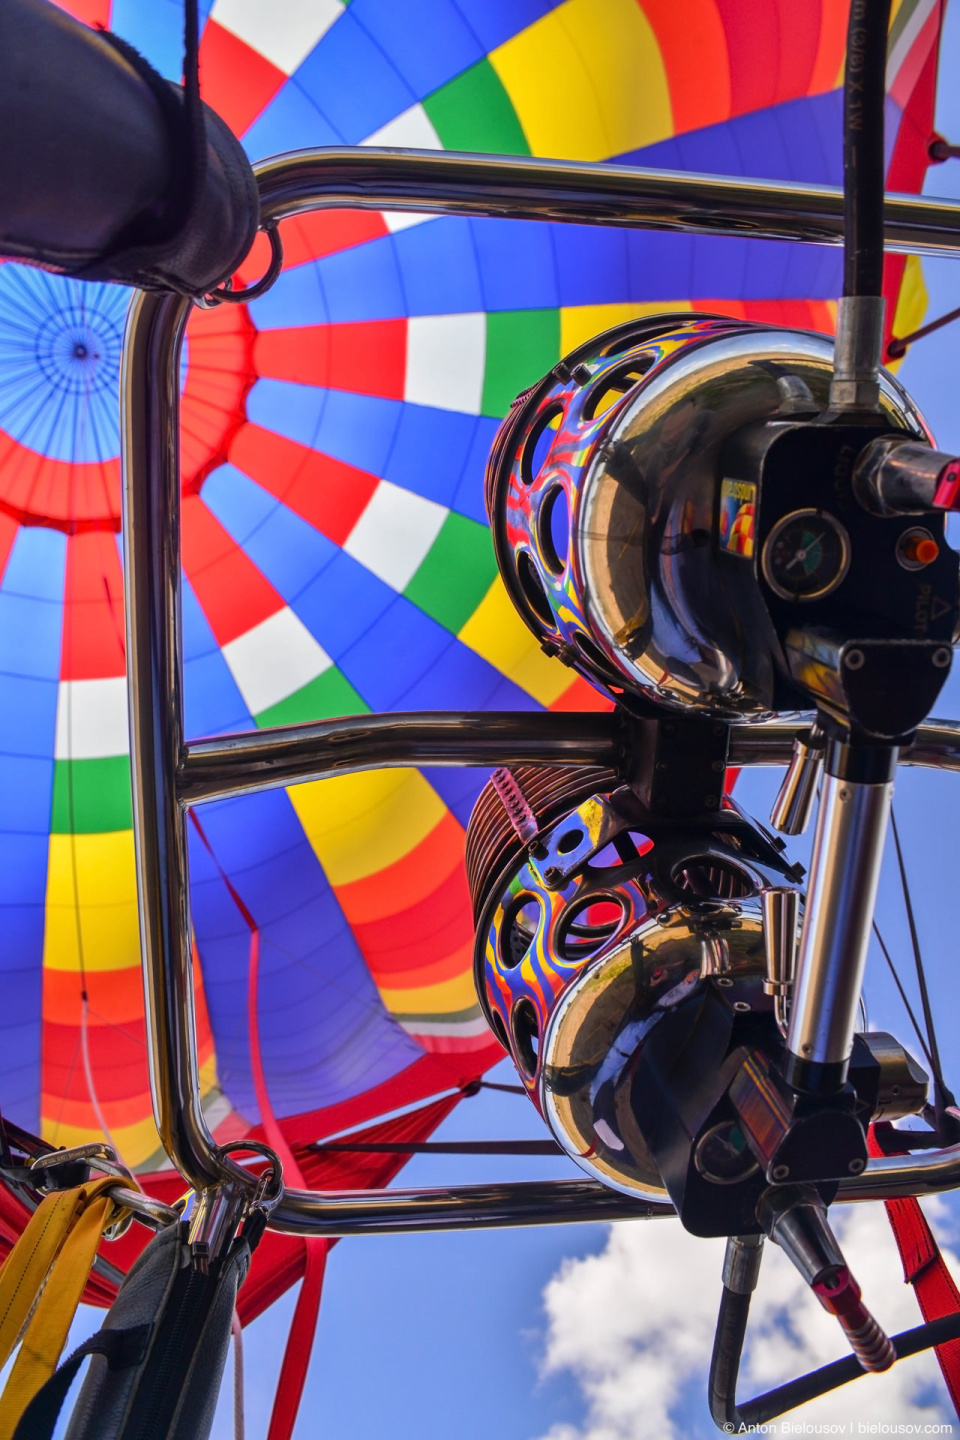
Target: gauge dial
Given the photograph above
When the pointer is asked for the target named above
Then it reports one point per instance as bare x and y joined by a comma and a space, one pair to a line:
806, 555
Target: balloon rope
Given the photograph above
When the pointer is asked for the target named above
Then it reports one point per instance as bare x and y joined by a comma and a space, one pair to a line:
78, 922
236, 1330
903, 995
88, 1073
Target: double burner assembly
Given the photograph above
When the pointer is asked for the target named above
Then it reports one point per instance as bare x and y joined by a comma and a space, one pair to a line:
684, 514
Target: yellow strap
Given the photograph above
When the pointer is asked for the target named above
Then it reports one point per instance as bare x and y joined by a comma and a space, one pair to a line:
90, 1210
25, 1268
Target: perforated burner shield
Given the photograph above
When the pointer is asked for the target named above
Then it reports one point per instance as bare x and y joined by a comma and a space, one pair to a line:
550, 792
614, 534
591, 933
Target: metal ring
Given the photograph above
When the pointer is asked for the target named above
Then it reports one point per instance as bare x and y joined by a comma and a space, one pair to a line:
225, 293
97, 1154
268, 1196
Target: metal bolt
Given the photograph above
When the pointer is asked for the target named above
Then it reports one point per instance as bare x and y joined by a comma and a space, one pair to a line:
725, 981
856, 1166
807, 1049
779, 1173
854, 659
717, 765
740, 1005
710, 802
552, 876
942, 657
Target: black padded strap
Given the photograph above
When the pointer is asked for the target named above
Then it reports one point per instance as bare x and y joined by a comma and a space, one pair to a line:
122, 1348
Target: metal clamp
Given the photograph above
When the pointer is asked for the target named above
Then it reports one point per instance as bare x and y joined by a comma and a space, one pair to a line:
225, 293
129, 1197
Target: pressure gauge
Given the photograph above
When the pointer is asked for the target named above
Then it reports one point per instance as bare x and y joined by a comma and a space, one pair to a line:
806, 555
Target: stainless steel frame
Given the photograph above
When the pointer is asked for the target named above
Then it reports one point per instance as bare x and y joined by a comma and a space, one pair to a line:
841, 894
169, 774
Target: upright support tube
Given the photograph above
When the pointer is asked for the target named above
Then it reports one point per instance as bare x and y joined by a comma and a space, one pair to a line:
842, 890
151, 537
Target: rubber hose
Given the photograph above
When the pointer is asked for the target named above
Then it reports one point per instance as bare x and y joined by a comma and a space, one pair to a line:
864, 94
725, 1360
728, 1348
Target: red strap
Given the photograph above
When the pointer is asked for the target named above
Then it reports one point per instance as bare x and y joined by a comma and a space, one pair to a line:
296, 1357
925, 1269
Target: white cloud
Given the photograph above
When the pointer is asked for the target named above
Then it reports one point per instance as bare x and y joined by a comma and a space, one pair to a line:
634, 1327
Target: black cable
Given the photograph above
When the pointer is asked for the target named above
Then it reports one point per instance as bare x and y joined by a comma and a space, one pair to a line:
903, 996
943, 1095
440, 1147
899, 343
728, 1349
864, 94
196, 129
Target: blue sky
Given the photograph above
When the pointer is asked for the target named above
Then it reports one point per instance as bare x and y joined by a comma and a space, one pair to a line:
443, 1336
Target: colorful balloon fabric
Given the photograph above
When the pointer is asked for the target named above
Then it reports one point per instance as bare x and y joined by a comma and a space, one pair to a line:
335, 551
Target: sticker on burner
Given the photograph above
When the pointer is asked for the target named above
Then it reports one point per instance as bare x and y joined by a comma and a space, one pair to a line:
738, 508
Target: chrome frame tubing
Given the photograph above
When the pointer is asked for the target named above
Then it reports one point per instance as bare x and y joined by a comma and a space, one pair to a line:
169, 775
229, 765
841, 894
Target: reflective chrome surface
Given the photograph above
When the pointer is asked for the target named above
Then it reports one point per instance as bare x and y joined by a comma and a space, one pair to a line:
242, 764
741, 1263
895, 477
150, 429
229, 765
936, 744
600, 1022
891, 1177
793, 807
842, 891
469, 1207
676, 618
592, 935
781, 914
859, 350
589, 194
